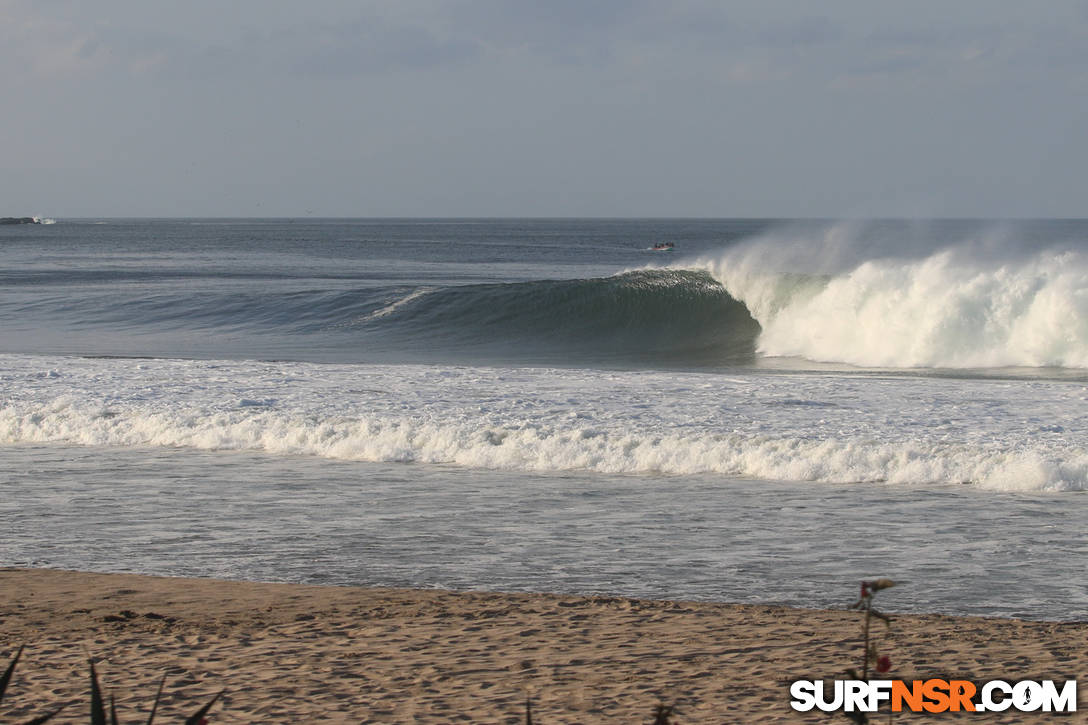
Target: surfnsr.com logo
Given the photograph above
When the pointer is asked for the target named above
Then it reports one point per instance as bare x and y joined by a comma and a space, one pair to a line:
933, 695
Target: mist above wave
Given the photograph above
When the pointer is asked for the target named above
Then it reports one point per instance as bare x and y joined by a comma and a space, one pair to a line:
862, 295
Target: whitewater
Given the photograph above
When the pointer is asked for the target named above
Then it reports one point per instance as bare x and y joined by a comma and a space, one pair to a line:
766, 414
980, 302
996, 434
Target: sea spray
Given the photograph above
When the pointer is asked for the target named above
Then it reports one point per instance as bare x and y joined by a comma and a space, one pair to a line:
979, 302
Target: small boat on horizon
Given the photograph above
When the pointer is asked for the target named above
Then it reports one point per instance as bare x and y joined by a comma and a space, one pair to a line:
662, 247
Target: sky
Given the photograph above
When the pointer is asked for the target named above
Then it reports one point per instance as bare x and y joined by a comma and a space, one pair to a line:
568, 108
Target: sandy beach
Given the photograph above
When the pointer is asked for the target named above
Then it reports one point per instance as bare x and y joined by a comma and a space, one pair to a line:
290, 653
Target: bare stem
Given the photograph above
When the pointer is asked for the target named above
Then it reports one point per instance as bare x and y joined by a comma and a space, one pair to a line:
865, 657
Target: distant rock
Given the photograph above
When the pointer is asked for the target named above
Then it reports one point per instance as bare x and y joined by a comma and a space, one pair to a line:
20, 220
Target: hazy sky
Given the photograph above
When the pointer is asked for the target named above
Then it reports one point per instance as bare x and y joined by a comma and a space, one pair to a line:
549, 108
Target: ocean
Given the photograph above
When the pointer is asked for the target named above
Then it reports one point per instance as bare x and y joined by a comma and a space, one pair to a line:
771, 412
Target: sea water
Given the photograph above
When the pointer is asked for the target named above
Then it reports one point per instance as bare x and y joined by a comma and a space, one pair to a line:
769, 413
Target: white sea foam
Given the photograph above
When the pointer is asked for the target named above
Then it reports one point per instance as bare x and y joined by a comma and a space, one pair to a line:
1025, 435
397, 304
846, 297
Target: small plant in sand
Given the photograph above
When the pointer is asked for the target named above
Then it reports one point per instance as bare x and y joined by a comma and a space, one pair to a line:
881, 663
98, 710
98, 704
6, 678
662, 714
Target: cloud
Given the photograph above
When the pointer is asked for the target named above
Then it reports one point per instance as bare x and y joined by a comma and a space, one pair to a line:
52, 39
567, 31
724, 102
806, 31
36, 46
372, 46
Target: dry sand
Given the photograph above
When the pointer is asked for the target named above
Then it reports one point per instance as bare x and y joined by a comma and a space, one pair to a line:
308, 654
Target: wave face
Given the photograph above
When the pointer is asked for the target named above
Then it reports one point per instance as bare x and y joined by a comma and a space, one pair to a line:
678, 315
856, 294
897, 430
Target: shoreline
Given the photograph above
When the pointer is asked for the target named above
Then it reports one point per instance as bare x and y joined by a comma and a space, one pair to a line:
349, 654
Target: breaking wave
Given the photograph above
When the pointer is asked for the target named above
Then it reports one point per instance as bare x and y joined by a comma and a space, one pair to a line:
672, 316
882, 295
796, 427
849, 295
678, 315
